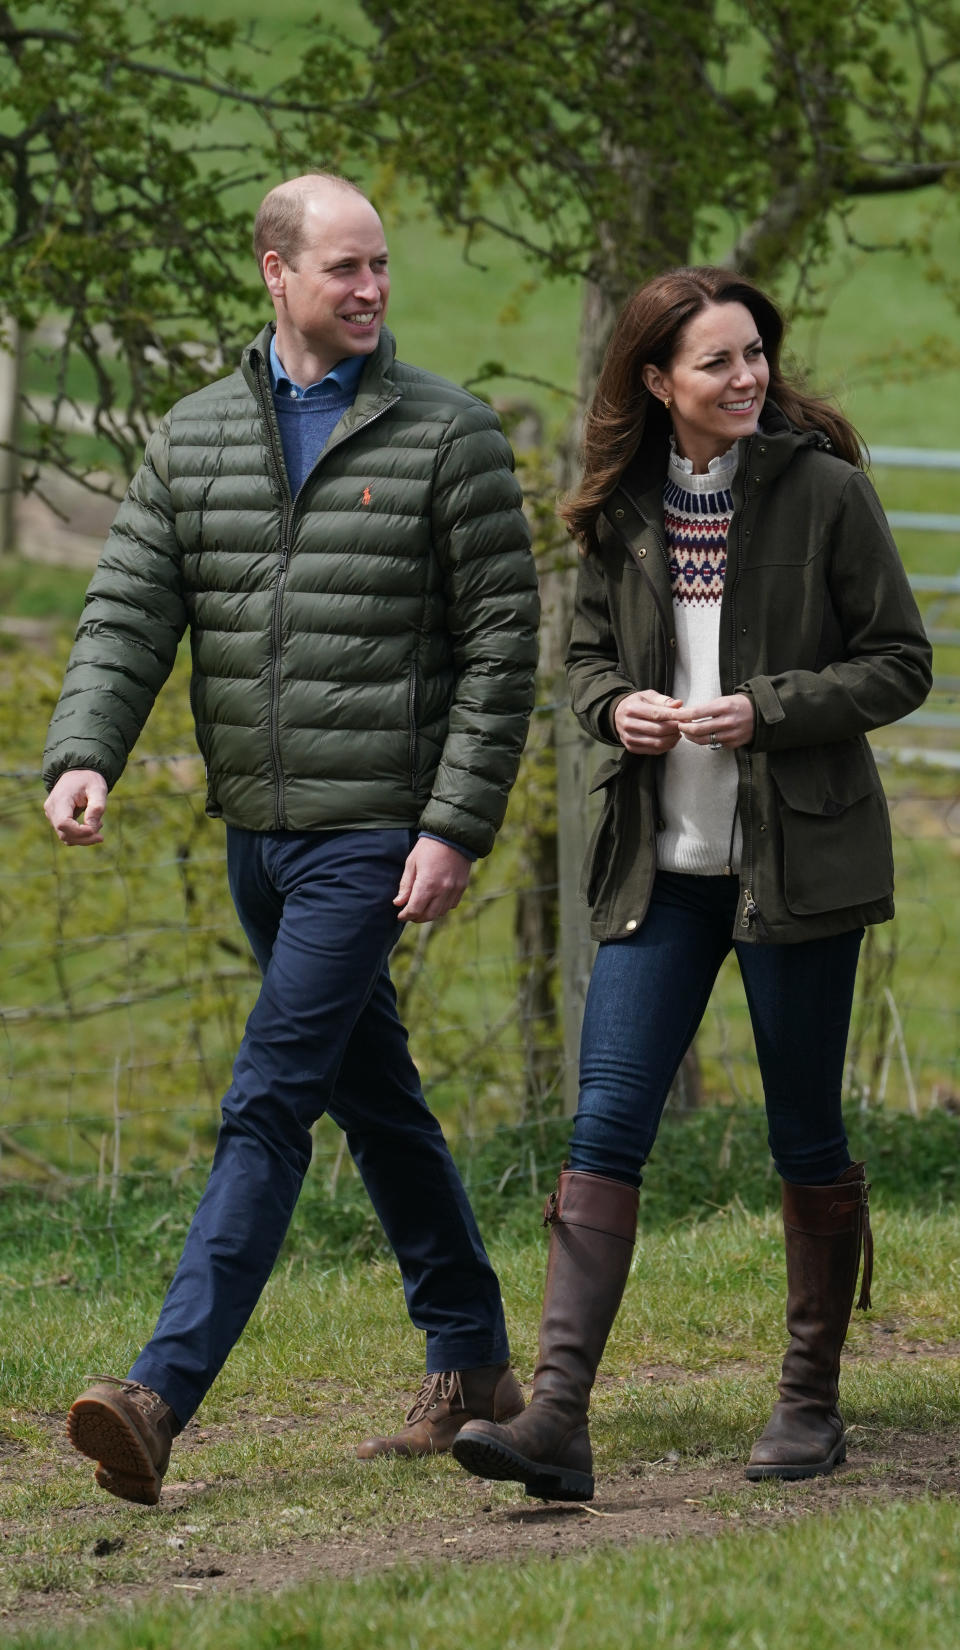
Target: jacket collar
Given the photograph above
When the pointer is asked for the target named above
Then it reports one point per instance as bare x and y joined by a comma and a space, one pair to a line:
767, 454
763, 457
377, 388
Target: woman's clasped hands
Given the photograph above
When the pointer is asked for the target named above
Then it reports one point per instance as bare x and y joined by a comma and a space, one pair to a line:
650, 723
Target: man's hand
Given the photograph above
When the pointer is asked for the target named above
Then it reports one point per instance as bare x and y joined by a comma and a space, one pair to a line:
646, 723
433, 880
75, 807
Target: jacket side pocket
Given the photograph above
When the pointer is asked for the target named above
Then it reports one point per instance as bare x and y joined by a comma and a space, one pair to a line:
837, 846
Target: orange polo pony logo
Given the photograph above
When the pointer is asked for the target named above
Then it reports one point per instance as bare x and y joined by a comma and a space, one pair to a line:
366, 496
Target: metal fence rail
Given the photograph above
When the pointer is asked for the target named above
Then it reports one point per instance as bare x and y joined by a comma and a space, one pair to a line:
946, 586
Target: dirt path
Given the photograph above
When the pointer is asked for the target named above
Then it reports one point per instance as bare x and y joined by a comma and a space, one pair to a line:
656, 1501
661, 1500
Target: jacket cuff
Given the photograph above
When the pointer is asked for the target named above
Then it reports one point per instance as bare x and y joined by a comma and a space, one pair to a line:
466, 852
607, 725
768, 709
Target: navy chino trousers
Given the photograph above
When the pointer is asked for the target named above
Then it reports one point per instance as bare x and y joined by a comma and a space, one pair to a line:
324, 1035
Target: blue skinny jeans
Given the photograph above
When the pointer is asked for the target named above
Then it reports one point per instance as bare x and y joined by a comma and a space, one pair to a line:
646, 999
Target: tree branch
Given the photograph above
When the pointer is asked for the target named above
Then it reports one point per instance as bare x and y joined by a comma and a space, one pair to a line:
901, 180
775, 227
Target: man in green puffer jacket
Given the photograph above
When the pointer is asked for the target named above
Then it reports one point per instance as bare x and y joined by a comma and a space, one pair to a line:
342, 535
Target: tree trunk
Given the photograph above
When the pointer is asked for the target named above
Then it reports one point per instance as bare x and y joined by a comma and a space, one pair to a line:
11, 363
659, 235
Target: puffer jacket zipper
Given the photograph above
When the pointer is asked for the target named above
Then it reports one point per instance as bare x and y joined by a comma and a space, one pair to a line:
288, 512
348, 435
282, 484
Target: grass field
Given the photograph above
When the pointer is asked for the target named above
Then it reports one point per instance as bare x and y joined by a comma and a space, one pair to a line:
270, 1533
264, 1491
885, 343
126, 982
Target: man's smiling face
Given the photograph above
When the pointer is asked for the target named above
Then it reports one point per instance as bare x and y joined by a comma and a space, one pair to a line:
333, 297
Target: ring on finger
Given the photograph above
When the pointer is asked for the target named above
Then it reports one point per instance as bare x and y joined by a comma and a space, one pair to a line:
714, 742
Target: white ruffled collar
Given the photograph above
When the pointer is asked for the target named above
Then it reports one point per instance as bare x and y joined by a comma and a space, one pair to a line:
720, 471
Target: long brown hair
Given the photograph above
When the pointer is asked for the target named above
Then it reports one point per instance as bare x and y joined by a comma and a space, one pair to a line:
624, 416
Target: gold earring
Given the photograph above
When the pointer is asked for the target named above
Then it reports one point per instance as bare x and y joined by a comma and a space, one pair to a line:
666, 402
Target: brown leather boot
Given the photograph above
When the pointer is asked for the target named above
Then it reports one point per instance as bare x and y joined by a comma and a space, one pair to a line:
127, 1430
593, 1224
826, 1229
445, 1401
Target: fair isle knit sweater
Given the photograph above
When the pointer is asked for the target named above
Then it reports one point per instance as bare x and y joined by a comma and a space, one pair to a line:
699, 833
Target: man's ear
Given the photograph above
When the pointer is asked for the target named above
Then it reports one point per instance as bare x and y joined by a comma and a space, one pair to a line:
273, 274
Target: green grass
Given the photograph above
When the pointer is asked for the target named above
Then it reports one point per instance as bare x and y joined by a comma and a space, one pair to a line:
83, 1238
329, 1354
83, 1278
880, 307
328, 1357
487, 315
877, 1577
126, 979
37, 590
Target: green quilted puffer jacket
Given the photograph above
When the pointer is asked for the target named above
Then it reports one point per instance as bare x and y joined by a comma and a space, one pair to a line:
363, 655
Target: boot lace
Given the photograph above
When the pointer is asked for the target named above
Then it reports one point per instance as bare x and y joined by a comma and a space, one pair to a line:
143, 1396
443, 1387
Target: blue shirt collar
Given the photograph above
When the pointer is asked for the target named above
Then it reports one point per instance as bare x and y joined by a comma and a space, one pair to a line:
345, 376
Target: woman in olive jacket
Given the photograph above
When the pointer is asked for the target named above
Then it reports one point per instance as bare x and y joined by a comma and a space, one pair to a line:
742, 622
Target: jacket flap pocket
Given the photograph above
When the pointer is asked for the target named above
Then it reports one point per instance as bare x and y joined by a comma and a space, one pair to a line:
827, 780
607, 770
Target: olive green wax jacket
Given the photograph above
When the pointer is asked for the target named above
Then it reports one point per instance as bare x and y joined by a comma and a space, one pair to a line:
818, 626
363, 655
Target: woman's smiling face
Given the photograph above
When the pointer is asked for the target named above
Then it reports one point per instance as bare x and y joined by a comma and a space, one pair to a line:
716, 381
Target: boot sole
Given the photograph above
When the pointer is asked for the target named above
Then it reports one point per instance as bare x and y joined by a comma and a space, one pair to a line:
486, 1458
108, 1437
812, 1469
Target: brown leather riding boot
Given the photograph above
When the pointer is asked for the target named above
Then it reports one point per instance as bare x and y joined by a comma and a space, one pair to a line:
445, 1401
127, 1430
547, 1449
826, 1229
